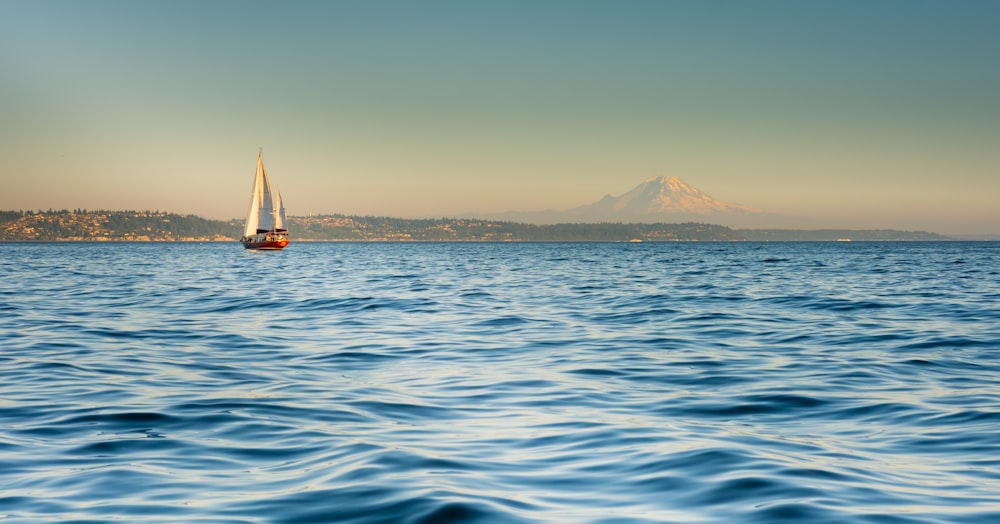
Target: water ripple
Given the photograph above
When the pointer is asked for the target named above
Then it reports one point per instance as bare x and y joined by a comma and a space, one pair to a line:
434, 383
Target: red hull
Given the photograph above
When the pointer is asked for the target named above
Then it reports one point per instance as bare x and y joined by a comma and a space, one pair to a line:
265, 245
272, 241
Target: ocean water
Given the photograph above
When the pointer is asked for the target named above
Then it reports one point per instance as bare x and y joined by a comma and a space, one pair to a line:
501, 383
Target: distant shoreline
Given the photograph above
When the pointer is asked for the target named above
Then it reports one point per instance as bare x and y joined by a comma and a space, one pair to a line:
157, 226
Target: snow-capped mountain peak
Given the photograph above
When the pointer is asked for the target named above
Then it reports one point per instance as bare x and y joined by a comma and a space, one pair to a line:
656, 199
664, 195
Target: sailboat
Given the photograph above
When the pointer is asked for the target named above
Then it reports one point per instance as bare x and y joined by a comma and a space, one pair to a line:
265, 228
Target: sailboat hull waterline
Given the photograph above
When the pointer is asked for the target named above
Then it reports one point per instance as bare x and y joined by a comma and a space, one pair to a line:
276, 240
265, 227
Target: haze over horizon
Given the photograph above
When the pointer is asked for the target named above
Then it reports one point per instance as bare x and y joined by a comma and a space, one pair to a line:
850, 114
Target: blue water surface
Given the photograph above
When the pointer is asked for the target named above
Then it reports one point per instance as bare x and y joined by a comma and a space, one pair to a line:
501, 383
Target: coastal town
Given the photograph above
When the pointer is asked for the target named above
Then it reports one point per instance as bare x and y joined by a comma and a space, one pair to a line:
97, 226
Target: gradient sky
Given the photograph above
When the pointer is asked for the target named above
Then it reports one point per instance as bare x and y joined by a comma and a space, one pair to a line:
842, 113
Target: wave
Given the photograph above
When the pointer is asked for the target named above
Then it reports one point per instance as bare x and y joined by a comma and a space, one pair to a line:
431, 383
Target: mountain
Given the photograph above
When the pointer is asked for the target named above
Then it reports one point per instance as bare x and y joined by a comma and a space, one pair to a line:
657, 199
659, 196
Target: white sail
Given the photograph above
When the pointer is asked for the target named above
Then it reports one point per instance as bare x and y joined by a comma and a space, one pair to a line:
279, 218
253, 214
262, 211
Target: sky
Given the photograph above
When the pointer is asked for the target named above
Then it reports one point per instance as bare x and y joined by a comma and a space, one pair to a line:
864, 114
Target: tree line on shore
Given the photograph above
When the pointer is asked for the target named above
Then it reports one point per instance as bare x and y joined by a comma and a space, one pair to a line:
105, 225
